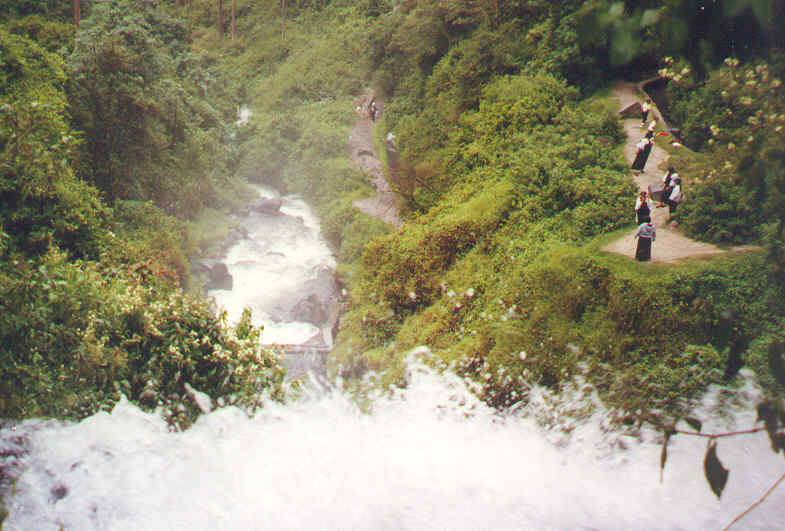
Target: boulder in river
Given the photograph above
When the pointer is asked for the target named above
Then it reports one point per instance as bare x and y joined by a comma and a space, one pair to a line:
215, 274
310, 310
266, 205
315, 301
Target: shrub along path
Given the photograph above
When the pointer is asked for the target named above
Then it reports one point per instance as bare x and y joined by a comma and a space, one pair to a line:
670, 245
361, 150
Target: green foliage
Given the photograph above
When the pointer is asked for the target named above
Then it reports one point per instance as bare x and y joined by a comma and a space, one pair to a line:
704, 33
139, 95
736, 116
50, 35
42, 202
90, 300
75, 335
49, 8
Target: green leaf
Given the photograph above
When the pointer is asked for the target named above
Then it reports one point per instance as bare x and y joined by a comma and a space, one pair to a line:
650, 17
694, 423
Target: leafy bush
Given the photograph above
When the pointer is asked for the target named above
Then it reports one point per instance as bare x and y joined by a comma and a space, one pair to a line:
149, 132
75, 335
736, 116
42, 202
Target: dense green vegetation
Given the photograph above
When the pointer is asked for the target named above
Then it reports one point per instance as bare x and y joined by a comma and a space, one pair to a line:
111, 137
118, 137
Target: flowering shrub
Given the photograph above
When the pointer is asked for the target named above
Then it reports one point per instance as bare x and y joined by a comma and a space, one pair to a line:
737, 117
75, 335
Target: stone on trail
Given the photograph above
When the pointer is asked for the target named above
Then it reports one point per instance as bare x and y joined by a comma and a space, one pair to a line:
632, 110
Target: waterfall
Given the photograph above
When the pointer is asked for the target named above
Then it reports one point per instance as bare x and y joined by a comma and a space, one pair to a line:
426, 456
429, 456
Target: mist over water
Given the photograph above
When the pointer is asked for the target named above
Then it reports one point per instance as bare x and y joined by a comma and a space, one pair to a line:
430, 456
282, 253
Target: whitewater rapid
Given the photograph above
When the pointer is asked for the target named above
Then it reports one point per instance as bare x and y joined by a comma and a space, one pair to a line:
283, 252
430, 456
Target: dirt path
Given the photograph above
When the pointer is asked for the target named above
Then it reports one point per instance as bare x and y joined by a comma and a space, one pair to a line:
363, 153
670, 245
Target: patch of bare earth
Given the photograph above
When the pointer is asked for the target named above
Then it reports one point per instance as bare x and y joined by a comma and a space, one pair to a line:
670, 244
362, 151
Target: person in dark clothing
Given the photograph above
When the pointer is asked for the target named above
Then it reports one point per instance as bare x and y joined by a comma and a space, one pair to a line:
645, 234
643, 207
667, 186
642, 154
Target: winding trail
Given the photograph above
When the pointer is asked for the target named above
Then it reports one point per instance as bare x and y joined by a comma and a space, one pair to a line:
671, 245
362, 151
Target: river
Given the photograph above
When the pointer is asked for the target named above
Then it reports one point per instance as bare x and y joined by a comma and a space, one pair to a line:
427, 457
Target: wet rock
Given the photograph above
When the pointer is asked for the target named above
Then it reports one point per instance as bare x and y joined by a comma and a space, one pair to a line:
59, 492
266, 205
215, 274
310, 310
633, 110
315, 302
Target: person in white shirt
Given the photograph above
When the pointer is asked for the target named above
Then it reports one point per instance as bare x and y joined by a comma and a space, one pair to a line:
675, 196
650, 129
645, 108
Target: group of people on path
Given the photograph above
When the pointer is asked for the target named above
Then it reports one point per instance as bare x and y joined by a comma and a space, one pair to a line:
645, 145
670, 194
371, 110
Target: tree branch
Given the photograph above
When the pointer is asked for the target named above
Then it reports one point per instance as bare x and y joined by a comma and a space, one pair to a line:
751, 507
719, 435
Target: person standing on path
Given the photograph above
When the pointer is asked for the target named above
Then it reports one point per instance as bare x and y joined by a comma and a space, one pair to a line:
667, 185
650, 129
643, 206
675, 196
642, 154
645, 108
645, 234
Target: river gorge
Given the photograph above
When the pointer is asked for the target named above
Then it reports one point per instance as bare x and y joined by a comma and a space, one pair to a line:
428, 456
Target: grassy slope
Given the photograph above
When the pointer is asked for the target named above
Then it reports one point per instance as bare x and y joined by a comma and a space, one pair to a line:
506, 290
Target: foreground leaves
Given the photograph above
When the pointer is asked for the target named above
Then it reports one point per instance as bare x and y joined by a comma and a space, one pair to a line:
716, 473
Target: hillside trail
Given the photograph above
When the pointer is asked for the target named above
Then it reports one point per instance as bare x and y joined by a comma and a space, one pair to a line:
362, 151
670, 244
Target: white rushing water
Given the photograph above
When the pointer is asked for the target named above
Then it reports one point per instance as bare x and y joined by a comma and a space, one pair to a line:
282, 253
429, 457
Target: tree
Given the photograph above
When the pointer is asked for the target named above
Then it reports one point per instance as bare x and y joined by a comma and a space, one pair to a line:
220, 19
77, 13
234, 26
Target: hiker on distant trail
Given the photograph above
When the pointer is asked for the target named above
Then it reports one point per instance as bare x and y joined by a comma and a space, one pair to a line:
650, 130
645, 234
645, 108
642, 154
675, 197
374, 111
667, 186
643, 206
371, 107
